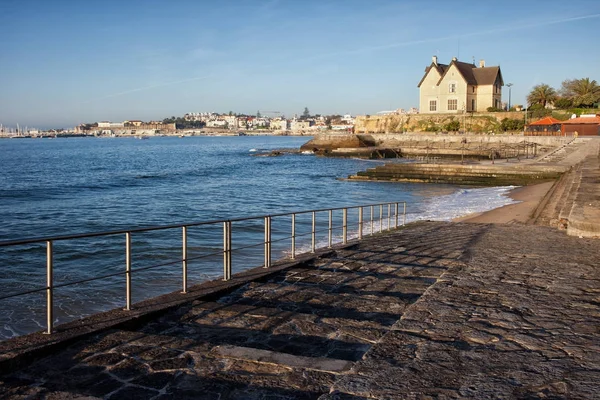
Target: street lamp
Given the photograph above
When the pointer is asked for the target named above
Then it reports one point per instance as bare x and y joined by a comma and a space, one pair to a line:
509, 85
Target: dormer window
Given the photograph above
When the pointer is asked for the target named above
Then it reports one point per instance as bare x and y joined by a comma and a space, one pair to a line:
452, 88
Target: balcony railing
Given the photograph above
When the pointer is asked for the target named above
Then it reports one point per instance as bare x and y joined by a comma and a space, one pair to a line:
380, 217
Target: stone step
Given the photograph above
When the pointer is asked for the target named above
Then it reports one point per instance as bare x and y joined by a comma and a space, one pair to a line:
321, 364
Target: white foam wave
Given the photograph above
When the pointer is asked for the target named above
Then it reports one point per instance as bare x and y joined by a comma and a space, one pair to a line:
463, 202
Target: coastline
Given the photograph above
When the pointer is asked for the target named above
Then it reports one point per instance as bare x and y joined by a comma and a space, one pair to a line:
529, 198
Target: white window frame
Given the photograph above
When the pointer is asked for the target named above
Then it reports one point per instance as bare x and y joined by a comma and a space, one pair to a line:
452, 87
455, 105
433, 105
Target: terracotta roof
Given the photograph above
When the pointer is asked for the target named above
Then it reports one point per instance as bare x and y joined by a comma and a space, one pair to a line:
546, 121
583, 120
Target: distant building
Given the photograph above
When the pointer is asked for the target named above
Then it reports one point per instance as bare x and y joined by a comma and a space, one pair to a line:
134, 122
296, 125
279, 124
342, 127
108, 124
460, 87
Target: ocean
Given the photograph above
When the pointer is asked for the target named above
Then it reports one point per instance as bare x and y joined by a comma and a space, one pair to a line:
64, 186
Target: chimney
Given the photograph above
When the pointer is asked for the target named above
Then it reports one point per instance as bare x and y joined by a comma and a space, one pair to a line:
454, 59
481, 63
434, 59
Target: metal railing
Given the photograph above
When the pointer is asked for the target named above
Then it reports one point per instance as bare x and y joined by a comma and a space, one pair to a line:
393, 214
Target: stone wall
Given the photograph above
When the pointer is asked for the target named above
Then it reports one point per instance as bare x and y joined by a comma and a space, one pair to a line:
477, 122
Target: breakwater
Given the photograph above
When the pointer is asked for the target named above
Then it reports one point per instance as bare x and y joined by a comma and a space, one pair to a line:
478, 175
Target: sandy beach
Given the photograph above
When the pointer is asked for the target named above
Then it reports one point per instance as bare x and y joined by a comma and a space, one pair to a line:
529, 198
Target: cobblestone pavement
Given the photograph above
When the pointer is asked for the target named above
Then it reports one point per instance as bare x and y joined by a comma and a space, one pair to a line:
438, 310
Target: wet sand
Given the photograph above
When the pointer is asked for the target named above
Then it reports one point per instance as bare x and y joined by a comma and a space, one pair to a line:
529, 198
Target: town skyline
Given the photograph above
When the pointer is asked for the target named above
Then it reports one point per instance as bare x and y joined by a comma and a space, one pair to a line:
65, 64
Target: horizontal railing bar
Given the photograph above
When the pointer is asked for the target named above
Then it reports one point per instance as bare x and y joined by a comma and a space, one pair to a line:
172, 226
96, 278
23, 293
220, 253
248, 246
281, 239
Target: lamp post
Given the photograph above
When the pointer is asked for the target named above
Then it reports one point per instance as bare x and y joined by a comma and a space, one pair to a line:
509, 85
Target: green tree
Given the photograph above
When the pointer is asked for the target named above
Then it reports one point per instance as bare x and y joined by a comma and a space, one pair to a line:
541, 94
563, 103
582, 92
306, 113
258, 114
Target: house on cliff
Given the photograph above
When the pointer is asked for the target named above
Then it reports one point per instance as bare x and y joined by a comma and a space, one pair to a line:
460, 87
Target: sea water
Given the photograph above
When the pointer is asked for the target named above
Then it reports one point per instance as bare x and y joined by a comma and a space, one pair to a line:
51, 187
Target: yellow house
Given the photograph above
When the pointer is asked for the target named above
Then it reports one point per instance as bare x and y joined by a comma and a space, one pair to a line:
460, 87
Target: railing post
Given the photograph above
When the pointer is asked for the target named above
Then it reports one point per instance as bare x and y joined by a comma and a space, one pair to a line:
230, 230
330, 234
372, 214
380, 218
226, 250
293, 236
345, 225
389, 227
128, 271
360, 223
49, 289
313, 234
184, 263
404, 215
267, 242
396, 215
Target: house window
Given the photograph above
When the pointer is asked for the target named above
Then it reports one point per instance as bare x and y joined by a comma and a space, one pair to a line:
432, 105
473, 89
472, 104
452, 88
452, 105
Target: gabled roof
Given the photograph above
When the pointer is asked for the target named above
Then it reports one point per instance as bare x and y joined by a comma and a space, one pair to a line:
582, 120
441, 69
465, 69
487, 75
470, 73
546, 121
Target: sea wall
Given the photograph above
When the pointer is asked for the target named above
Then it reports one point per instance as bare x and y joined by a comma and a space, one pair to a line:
394, 140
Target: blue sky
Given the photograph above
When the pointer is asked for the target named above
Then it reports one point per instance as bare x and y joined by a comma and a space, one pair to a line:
66, 62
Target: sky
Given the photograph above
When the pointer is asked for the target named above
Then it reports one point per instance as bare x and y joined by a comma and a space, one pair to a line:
66, 62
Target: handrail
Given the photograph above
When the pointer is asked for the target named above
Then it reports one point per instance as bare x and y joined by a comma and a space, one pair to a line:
164, 227
365, 226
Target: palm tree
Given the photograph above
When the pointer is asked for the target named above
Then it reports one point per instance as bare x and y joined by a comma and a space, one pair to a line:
583, 92
541, 94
